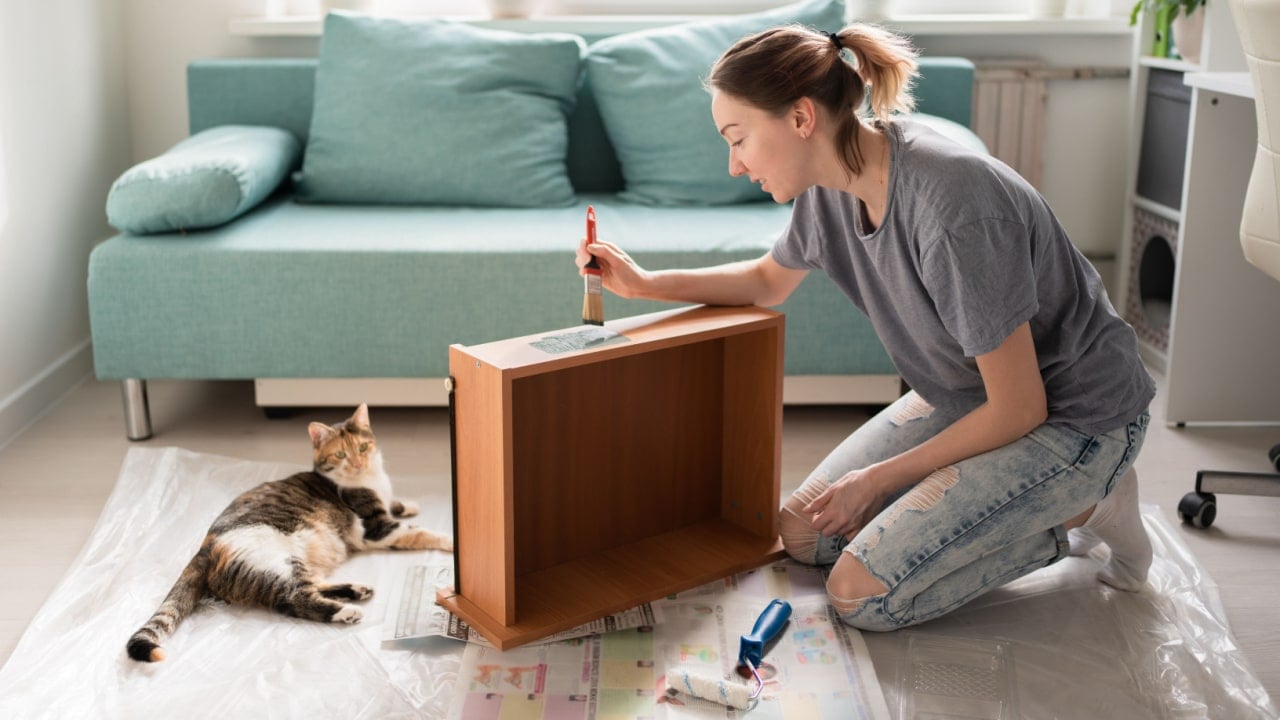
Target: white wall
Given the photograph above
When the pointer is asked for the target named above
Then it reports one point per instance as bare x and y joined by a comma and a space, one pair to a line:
163, 37
64, 136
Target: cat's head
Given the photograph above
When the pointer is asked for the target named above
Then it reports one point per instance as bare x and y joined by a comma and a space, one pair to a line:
346, 451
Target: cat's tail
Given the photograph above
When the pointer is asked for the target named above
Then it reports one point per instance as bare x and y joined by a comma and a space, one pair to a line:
191, 586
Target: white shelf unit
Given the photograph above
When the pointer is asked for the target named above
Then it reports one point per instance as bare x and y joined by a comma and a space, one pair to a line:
1224, 341
1219, 361
1220, 51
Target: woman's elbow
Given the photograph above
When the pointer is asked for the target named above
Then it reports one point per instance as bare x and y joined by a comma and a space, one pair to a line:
1035, 413
771, 298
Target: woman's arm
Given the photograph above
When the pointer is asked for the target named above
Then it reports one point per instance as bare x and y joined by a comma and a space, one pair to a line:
750, 282
1016, 404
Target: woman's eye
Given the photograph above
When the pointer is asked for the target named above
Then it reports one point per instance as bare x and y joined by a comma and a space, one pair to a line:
364, 447
737, 144
340, 455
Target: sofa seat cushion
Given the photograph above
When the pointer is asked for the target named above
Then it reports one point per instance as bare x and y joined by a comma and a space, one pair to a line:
312, 291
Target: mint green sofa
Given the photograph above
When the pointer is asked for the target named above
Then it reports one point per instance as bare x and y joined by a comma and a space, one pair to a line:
298, 291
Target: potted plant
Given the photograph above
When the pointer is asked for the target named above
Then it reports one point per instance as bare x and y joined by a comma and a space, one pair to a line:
1186, 19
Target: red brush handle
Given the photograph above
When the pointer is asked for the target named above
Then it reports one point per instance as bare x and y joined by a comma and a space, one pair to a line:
591, 237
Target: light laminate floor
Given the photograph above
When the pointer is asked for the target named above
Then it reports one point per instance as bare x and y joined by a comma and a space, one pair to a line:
55, 477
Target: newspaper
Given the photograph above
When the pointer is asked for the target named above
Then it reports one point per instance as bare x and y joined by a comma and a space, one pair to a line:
817, 669
416, 614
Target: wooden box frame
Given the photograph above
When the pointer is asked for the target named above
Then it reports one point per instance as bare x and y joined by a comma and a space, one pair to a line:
591, 481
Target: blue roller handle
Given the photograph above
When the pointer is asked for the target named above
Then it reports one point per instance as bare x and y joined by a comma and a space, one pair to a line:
767, 625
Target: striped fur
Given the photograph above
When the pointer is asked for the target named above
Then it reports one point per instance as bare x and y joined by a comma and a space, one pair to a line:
274, 545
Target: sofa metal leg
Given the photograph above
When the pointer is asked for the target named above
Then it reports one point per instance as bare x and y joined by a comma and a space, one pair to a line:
137, 413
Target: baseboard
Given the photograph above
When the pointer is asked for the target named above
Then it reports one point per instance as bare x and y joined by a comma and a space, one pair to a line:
34, 398
419, 392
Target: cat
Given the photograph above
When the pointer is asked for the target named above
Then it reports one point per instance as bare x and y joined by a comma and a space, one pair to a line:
275, 544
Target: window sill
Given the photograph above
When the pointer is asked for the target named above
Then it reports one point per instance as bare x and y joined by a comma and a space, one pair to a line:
969, 24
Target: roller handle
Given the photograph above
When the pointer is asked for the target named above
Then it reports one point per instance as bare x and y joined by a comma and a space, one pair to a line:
771, 621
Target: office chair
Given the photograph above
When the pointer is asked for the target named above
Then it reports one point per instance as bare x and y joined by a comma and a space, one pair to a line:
1258, 25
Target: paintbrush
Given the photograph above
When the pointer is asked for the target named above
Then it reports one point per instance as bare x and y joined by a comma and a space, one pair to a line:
592, 297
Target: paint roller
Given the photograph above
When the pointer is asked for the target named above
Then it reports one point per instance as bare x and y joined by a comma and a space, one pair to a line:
750, 655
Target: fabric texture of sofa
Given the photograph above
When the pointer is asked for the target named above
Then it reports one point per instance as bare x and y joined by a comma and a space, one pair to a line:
330, 291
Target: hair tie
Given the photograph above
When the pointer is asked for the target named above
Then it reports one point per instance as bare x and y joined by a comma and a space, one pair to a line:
835, 40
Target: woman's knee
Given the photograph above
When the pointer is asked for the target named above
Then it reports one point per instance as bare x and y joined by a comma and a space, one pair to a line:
850, 588
799, 538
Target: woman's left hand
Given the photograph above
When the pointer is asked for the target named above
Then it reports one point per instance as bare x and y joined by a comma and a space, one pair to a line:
847, 505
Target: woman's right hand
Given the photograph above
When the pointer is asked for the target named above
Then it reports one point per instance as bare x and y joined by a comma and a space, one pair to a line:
619, 274
848, 504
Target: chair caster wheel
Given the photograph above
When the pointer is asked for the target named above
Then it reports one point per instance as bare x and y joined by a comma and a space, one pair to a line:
1274, 455
1198, 509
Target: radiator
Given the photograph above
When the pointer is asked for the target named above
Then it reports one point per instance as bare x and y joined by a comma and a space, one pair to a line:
1010, 98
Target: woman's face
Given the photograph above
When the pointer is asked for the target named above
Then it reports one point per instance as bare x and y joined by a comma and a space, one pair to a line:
770, 150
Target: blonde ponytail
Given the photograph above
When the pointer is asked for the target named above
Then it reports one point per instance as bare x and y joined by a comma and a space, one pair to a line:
886, 62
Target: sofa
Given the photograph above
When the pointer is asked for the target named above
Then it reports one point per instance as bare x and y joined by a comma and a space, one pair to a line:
335, 303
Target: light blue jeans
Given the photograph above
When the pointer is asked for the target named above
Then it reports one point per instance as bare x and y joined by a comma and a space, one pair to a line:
966, 528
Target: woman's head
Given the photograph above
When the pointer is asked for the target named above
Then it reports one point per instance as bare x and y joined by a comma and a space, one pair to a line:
773, 71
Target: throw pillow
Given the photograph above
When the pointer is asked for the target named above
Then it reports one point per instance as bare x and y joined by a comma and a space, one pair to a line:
438, 112
208, 179
649, 87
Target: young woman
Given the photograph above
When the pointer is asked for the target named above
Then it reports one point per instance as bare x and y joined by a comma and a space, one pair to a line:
1029, 401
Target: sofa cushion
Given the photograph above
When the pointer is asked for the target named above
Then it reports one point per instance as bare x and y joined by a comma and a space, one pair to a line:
649, 87
205, 180
396, 99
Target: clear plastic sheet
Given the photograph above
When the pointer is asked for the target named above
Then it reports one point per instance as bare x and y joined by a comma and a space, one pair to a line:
1081, 649
1076, 649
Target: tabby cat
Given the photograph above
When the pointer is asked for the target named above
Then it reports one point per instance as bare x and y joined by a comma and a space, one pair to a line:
276, 543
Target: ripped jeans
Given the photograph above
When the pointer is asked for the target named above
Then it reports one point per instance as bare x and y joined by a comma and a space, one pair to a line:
965, 528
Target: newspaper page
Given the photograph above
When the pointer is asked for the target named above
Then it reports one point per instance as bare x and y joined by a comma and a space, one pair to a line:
413, 612
817, 669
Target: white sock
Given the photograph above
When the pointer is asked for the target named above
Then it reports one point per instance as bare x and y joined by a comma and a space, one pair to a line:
1082, 540
1117, 522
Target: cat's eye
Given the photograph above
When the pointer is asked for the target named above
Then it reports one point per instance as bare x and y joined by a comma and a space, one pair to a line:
364, 447
340, 455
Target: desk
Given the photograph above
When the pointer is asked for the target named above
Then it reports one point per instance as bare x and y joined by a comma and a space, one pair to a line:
1224, 337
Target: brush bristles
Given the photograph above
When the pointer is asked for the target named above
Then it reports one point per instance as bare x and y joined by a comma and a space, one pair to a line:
593, 301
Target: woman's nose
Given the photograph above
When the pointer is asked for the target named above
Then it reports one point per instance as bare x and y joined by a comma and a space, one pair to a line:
736, 167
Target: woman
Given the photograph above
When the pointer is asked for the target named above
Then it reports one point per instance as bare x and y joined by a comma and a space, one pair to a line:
1029, 401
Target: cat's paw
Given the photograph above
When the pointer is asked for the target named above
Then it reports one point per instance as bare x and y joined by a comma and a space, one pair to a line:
347, 591
404, 508
348, 614
419, 539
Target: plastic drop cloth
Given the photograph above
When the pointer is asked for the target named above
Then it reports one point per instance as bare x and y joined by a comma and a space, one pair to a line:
1077, 648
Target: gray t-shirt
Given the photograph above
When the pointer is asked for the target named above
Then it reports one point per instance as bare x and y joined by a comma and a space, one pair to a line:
967, 252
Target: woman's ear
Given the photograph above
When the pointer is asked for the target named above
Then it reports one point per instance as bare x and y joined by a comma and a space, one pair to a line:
804, 117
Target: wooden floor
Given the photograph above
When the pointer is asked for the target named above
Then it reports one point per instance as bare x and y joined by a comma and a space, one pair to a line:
55, 477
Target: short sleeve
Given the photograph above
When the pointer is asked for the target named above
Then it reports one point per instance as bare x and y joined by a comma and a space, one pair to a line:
982, 282
799, 248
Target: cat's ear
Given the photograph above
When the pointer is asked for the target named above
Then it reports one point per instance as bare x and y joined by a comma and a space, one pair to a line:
319, 433
361, 416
